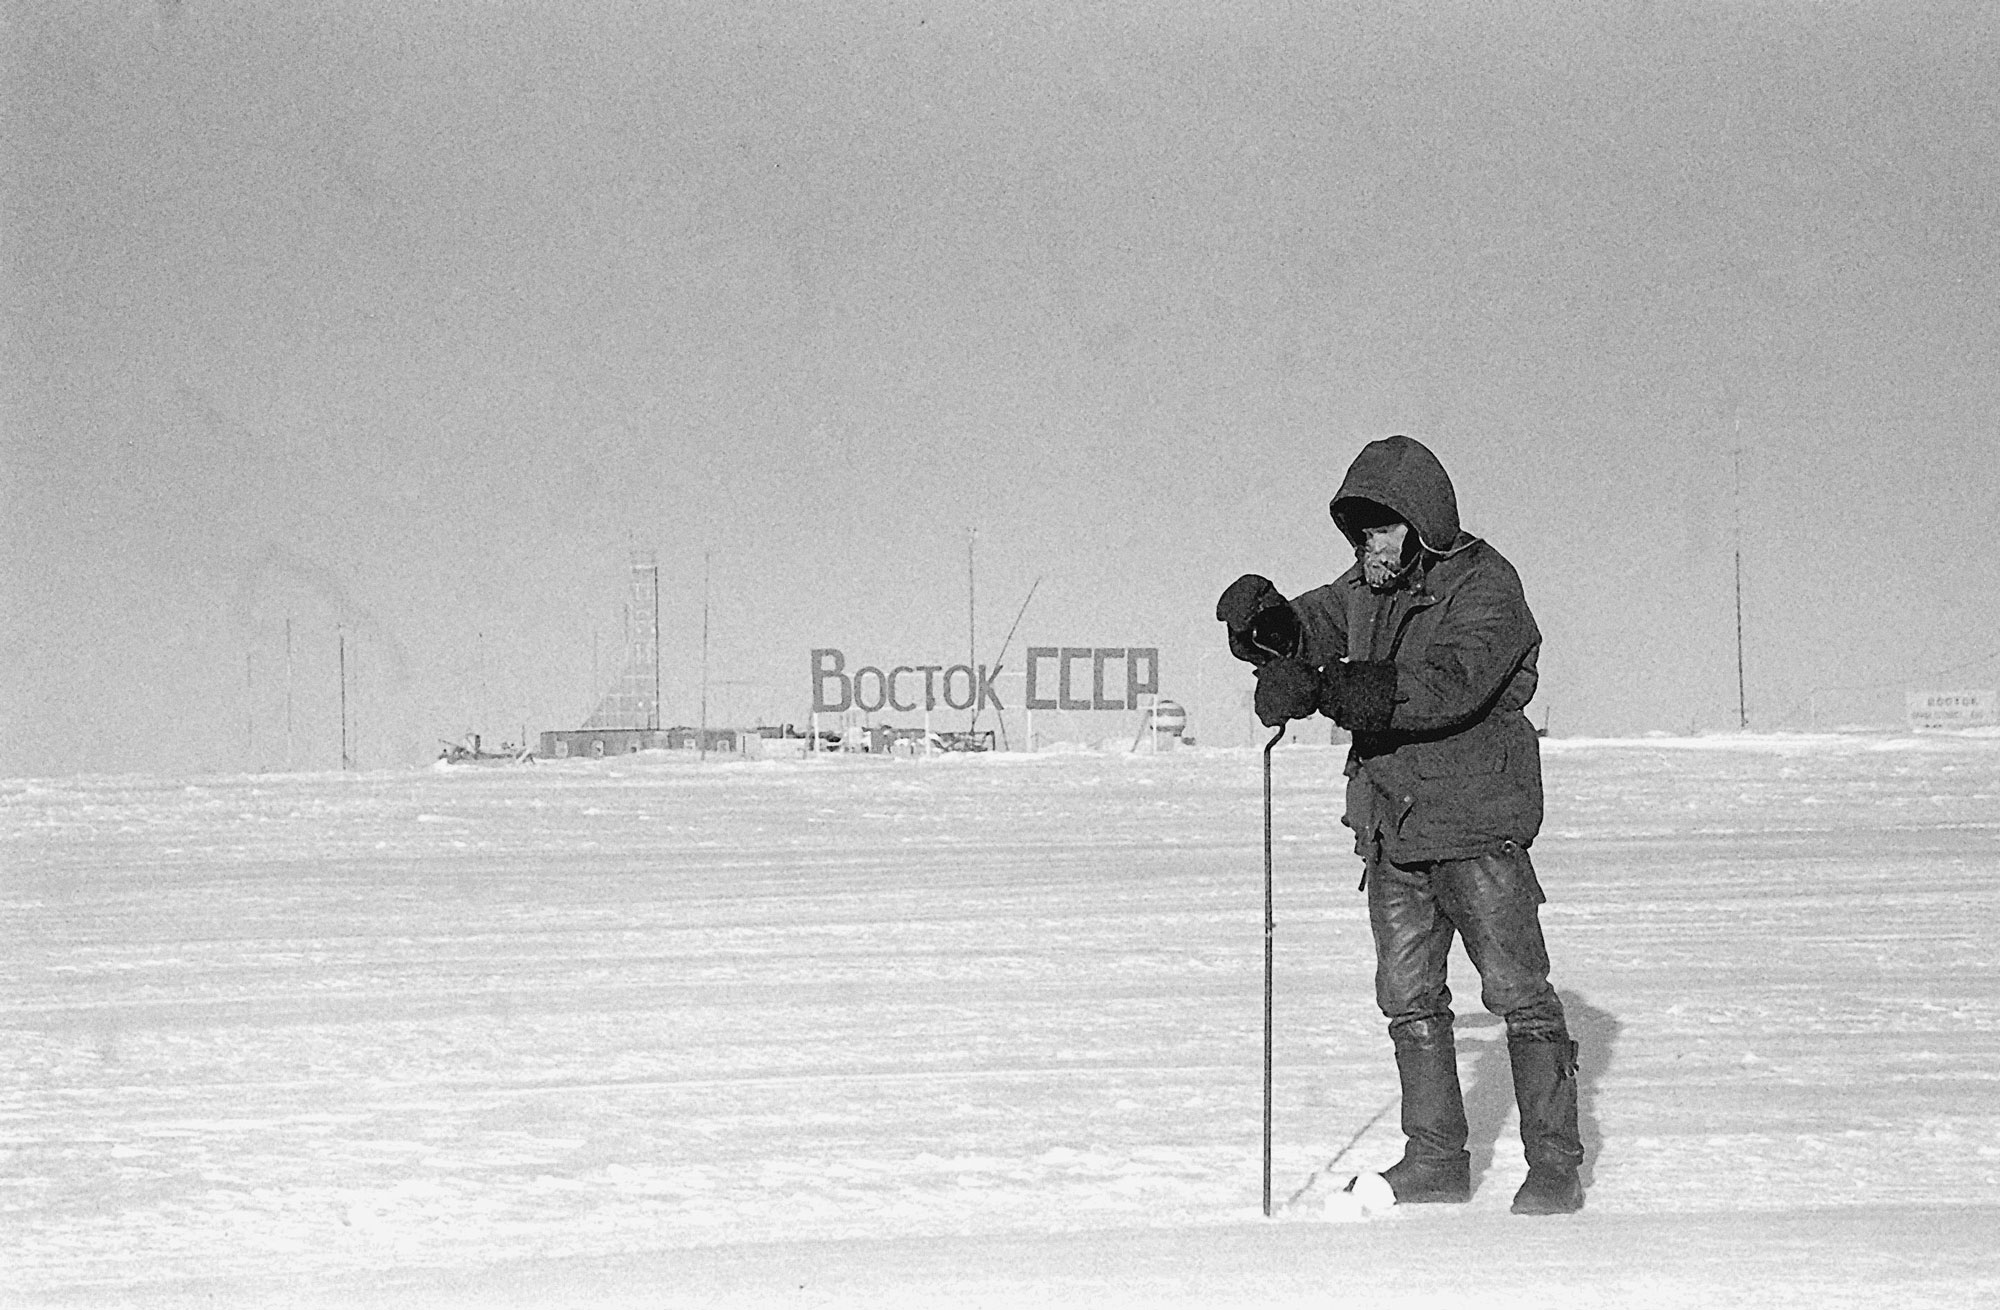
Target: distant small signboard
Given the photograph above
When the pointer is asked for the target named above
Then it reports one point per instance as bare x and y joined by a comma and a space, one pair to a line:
1941, 711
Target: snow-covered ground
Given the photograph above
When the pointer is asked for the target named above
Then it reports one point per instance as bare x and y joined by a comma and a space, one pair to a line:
975, 1031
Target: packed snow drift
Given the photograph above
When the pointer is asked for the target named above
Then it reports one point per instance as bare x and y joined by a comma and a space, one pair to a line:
976, 1030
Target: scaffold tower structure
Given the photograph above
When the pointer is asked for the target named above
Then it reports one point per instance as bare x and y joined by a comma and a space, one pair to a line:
634, 699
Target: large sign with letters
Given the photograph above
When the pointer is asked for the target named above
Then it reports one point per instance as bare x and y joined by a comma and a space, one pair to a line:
1057, 678
1942, 711
1137, 674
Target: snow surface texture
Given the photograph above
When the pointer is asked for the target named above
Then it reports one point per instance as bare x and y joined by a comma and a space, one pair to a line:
975, 1031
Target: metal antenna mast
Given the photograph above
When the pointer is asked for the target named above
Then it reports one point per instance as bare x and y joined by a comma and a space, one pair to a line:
1742, 703
346, 763
702, 733
972, 627
653, 718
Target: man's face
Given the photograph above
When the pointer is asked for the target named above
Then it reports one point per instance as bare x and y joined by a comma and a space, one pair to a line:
1382, 554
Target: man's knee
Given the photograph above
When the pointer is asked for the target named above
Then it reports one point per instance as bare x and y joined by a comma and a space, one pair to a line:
1538, 1020
1495, 899
1421, 1032
1412, 945
1410, 988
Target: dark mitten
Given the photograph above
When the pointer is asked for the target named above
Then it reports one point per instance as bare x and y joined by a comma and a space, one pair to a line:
1244, 598
1262, 625
1288, 689
1362, 697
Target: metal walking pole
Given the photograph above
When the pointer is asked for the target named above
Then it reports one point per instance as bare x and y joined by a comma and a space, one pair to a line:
1269, 925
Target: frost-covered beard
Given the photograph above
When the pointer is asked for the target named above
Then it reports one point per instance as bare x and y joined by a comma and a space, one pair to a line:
1381, 555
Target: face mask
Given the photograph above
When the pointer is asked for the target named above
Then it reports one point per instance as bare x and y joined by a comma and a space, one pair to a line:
1381, 555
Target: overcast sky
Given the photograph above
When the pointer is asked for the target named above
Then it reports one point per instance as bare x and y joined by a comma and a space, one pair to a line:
407, 322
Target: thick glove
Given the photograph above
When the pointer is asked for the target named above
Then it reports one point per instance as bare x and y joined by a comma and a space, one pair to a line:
1288, 689
1262, 624
1361, 697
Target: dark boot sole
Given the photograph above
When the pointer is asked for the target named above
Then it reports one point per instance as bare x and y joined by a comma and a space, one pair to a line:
1455, 1188
1549, 1199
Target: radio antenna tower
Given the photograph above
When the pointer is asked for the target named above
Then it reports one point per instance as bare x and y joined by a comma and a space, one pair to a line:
634, 699
972, 626
1742, 703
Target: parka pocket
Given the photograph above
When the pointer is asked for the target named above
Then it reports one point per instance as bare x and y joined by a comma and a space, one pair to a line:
1459, 757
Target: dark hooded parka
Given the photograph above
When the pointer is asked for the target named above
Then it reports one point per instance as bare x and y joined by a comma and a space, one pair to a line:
1458, 771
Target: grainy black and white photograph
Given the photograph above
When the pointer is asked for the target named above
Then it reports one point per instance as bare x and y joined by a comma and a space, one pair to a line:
886, 653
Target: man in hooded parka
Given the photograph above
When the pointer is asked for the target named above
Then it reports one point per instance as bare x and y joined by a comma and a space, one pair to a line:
1425, 650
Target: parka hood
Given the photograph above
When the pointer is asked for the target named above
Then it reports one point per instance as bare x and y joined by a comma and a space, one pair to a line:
1401, 474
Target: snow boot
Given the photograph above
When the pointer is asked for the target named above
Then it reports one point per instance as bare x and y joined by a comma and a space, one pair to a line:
1545, 1090
1435, 1166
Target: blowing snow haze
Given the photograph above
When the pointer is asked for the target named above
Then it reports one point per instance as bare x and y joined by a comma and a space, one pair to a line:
395, 328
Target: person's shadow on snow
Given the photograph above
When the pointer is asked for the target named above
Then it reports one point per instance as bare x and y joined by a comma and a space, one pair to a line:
1489, 1082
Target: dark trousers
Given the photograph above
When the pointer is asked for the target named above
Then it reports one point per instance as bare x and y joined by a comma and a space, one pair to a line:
1491, 901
